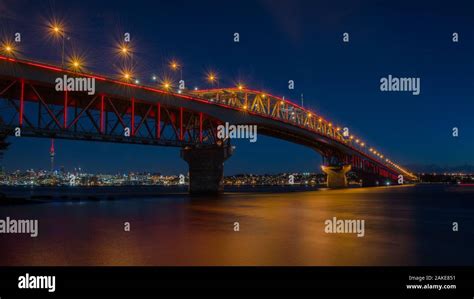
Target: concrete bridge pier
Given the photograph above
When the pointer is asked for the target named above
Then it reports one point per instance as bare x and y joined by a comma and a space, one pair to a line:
336, 175
206, 168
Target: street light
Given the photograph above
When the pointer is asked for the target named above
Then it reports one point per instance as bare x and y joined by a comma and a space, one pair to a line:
8, 48
166, 84
57, 30
76, 62
124, 50
76, 65
126, 74
174, 65
212, 78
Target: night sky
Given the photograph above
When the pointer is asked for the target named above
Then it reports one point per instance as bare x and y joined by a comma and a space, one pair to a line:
279, 41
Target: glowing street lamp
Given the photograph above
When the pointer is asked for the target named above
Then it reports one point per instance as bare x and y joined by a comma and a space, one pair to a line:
76, 65
56, 29
166, 84
8, 48
212, 78
174, 65
124, 50
75, 62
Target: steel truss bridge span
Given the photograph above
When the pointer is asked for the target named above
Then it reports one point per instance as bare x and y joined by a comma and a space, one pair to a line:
129, 113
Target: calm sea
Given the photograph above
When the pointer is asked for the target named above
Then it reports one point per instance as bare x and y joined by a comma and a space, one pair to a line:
408, 225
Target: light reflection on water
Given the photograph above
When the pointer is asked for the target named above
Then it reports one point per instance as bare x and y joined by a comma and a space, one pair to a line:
403, 226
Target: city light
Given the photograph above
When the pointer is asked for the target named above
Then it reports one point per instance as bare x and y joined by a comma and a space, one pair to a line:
240, 86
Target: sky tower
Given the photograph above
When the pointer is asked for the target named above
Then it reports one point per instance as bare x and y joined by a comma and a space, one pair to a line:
51, 154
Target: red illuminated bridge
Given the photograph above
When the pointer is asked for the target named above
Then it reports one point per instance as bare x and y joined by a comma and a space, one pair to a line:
129, 113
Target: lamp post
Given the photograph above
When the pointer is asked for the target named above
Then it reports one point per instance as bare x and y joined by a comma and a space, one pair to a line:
58, 30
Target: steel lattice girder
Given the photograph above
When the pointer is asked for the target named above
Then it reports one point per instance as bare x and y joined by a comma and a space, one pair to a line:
39, 110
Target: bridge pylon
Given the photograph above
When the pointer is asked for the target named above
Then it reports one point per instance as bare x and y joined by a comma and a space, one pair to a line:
206, 167
336, 175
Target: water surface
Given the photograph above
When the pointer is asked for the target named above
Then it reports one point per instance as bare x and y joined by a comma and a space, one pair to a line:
409, 225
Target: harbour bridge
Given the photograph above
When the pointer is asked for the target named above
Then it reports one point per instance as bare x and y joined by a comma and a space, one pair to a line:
125, 112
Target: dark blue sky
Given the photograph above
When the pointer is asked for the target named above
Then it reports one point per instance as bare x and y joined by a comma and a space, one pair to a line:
279, 41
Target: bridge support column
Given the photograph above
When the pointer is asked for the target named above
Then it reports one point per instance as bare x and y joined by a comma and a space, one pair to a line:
206, 168
336, 175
